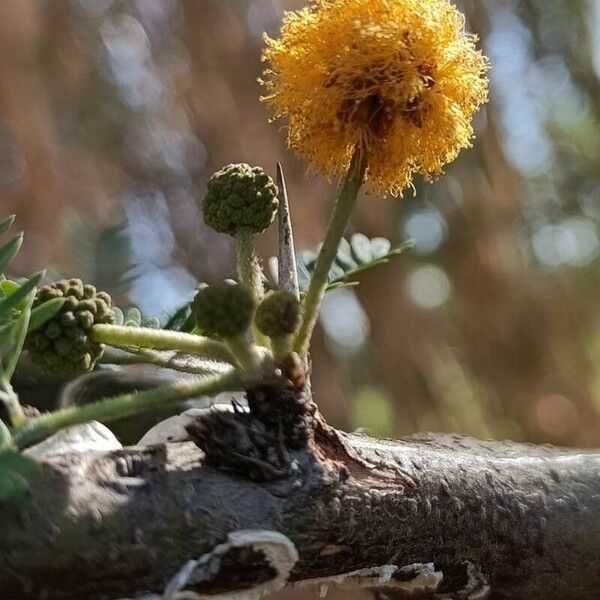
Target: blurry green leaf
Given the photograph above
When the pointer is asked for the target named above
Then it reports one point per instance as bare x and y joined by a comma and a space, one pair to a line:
119, 317
12, 346
8, 287
360, 245
6, 224
353, 257
151, 323
16, 297
380, 247
182, 319
9, 251
103, 255
16, 470
44, 312
132, 316
5, 437
344, 256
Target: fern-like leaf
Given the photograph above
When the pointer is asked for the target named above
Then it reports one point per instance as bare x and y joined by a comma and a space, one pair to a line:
132, 316
355, 256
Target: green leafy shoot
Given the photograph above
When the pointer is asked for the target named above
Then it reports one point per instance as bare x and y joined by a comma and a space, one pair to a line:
182, 319
44, 312
17, 299
354, 257
132, 316
12, 346
9, 251
6, 224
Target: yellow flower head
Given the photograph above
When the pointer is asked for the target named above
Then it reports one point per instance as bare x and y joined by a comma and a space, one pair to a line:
399, 77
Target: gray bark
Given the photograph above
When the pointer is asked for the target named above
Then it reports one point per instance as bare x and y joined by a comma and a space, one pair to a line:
109, 525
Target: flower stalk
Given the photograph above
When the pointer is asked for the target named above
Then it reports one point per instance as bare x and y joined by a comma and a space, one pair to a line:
11, 404
245, 353
157, 339
249, 270
176, 361
346, 198
125, 405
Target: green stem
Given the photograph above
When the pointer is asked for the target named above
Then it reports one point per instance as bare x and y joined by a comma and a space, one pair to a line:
244, 353
124, 405
177, 361
11, 402
250, 272
282, 346
346, 198
19, 333
160, 339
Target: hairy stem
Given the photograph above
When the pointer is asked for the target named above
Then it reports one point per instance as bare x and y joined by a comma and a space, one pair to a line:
282, 346
244, 353
250, 272
11, 402
346, 197
177, 361
124, 405
160, 339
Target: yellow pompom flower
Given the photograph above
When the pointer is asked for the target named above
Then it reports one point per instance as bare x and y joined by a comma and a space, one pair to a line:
398, 78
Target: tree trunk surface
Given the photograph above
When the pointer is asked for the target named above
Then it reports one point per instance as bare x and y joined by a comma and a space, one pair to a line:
110, 525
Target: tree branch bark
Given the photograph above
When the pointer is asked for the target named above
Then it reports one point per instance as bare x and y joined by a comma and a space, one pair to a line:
109, 525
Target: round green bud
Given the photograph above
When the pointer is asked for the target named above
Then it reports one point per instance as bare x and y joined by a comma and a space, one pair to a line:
63, 346
224, 309
278, 314
240, 196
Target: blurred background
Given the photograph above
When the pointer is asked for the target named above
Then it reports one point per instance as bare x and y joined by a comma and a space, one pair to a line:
113, 114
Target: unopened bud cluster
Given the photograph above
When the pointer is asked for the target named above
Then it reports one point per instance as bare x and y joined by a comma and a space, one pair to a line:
64, 346
224, 309
278, 314
240, 196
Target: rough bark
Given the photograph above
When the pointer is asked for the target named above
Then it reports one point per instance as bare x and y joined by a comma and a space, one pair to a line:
108, 525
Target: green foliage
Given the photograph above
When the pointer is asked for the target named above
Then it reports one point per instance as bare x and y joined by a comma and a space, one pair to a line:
132, 316
16, 299
43, 313
104, 255
9, 251
353, 257
182, 319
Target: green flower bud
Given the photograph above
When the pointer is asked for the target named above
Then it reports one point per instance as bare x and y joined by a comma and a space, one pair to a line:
240, 196
63, 346
278, 314
223, 309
